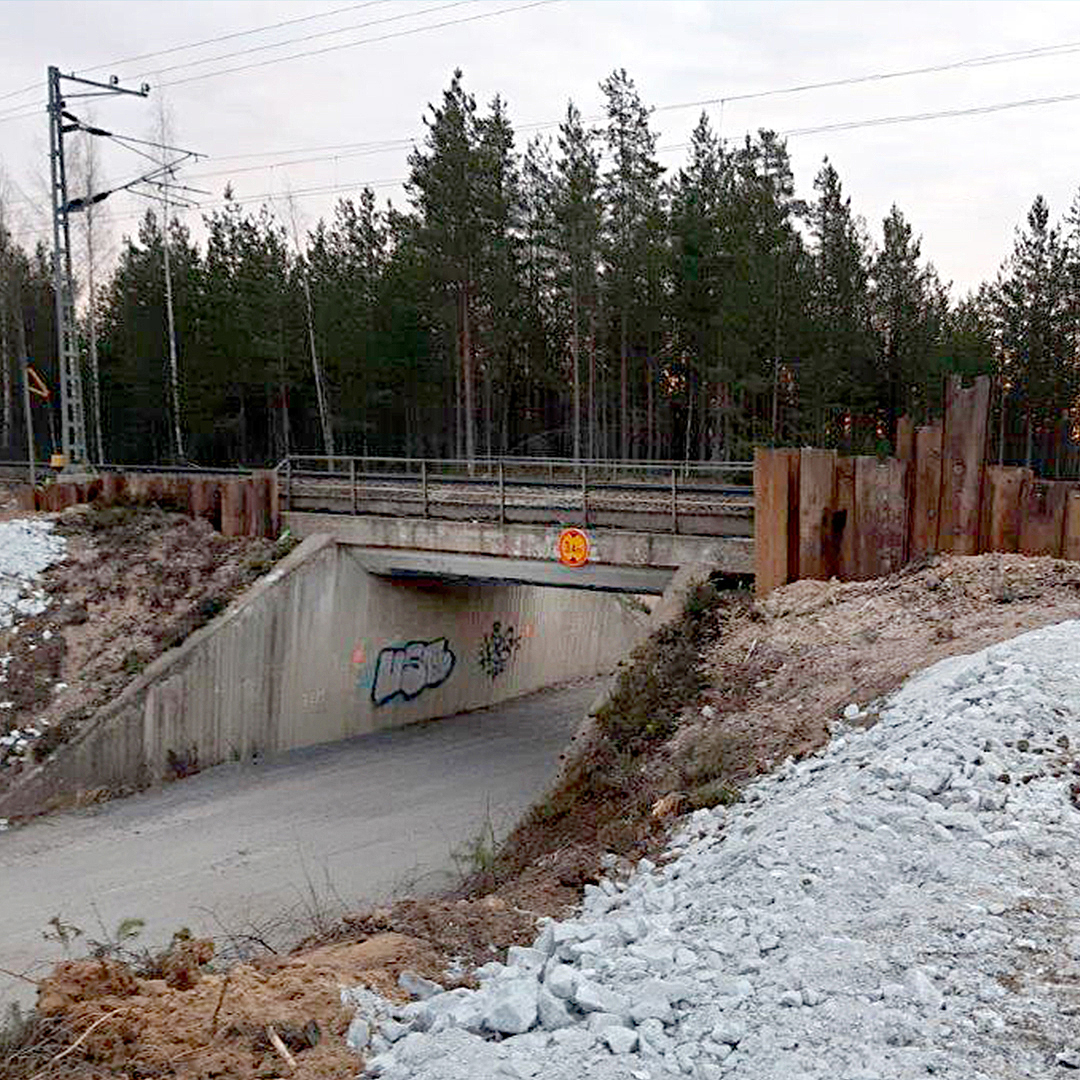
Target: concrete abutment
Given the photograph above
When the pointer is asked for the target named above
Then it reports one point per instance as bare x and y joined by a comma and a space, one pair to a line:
320, 650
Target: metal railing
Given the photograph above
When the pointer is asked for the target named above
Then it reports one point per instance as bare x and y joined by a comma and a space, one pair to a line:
372, 484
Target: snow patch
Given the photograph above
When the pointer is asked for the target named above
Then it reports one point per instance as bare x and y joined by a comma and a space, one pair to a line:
26, 549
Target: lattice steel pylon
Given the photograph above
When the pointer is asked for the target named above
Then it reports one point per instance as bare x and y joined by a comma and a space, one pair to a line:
61, 122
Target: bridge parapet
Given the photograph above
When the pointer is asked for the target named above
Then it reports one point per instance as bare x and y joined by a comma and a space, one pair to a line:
620, 560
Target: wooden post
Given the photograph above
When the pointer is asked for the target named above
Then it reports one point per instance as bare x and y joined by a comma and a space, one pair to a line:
880, 516
905, 452
423, 486
905, 439
63, 496
232, 507
818, 557
261, 523
502, 494
181, 492
1042, 517
926, 492
205, 500
774, 522
963, 452
844, 520
273, 504
155, 489
674, 502
112, 488
585, 496
352, 483
1001, 508
1072, 527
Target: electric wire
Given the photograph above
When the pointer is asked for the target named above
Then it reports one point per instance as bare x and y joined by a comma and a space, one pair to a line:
231, 36
411, 14
206, 41
365, 41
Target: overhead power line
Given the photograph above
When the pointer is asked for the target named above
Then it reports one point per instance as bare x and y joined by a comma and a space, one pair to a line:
364, 41
413, 13
217, 40
939, 114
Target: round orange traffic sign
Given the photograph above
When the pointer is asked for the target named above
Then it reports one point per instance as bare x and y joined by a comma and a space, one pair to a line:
573, 547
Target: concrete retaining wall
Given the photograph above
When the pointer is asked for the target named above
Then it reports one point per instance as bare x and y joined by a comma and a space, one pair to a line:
321, 650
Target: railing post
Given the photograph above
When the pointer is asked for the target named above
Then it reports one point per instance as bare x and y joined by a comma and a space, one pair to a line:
423, 485
585, 496
288, 483
674, 501
352, 482
502, 495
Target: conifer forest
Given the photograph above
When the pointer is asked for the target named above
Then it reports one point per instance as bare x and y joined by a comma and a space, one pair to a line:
563, 295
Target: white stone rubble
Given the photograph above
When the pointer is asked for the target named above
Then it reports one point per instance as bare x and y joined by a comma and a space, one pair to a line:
903, 905
27, 547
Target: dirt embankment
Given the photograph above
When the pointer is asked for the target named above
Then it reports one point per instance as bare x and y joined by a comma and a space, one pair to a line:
725, 692
136, 581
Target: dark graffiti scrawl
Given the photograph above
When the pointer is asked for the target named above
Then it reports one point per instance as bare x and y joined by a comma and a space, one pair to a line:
497, 650
406, 671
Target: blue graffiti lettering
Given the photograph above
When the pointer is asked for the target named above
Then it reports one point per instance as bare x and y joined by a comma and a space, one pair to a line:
408, 670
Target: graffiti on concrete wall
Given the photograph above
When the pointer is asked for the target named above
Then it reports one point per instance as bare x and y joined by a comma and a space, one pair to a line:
497, 649
406, 671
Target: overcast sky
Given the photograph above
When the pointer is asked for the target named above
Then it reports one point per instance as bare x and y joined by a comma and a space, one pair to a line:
964, 182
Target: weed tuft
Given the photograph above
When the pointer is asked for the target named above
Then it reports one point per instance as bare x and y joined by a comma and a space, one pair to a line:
475, 858
664, 675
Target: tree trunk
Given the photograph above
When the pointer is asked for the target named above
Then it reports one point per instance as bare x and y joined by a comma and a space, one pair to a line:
286, 441
624, 397
487, 409
650, 415
592, 384
5, 381
575, 357
459, 425
467, 376
174, 374
91, 320
24, 361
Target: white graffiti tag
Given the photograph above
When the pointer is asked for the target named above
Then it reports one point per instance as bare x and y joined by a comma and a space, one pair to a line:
408, 670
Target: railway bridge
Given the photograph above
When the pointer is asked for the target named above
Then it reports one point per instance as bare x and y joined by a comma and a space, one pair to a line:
500, 521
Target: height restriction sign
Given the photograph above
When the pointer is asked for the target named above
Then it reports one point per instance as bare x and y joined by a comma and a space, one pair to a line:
573, 547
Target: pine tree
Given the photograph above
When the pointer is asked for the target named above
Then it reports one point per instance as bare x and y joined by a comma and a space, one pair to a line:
1038, 365
633, 252
909, 315
699, 271
442, 186
839, 386
578, 214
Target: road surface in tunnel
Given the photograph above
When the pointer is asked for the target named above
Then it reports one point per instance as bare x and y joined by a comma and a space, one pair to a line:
263, 848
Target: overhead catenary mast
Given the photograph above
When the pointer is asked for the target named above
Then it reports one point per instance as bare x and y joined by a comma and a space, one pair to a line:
73, 413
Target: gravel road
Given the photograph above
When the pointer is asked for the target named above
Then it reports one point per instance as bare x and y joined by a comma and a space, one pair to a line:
267, 848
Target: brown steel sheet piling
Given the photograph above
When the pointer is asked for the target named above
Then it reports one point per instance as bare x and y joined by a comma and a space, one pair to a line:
817, 502
963, 452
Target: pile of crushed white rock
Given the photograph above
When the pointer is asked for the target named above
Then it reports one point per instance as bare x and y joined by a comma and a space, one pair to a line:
905, 904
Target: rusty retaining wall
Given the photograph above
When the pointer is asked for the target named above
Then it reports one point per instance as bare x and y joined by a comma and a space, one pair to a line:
320, 650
